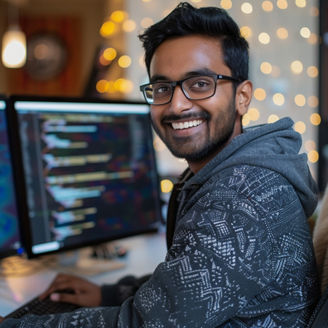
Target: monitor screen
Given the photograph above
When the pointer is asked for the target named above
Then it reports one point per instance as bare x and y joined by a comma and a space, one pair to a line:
89, 171
9, 228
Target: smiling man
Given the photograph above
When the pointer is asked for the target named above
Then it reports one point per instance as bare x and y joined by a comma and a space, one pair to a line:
239, 248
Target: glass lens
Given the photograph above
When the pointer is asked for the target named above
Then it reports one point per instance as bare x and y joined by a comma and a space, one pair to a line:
199, 87
161, 92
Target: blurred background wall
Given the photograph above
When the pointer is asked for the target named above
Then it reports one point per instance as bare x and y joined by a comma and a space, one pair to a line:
90, 48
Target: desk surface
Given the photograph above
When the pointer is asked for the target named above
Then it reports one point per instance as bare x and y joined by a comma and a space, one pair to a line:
144, 254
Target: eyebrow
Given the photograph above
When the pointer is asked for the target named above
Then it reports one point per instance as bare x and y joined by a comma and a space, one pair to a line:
203, 71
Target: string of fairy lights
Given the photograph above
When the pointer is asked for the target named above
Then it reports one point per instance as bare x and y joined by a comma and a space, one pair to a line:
284, 45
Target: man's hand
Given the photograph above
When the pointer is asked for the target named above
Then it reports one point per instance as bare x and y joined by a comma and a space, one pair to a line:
84, 293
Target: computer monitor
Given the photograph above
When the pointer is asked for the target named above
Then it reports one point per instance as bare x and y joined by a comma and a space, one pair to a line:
10, 243
88, 170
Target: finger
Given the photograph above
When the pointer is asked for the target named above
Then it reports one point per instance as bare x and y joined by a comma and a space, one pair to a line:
57, 285
68, 298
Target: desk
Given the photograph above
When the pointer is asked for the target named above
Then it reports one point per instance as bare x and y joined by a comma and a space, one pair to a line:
145, 252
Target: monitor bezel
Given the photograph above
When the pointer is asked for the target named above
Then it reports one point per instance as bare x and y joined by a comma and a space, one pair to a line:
20, 176
12, 251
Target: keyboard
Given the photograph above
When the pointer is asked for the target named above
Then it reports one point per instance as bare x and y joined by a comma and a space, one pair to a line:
39, 307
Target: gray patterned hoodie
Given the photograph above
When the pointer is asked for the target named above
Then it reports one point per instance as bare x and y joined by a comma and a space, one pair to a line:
240, 251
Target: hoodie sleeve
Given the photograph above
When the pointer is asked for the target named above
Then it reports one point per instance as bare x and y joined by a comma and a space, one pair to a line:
116, 294
232, 258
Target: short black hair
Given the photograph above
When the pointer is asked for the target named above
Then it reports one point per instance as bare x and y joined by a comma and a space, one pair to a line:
210, 21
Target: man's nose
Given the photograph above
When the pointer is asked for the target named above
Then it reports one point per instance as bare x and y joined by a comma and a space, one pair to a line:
179, 102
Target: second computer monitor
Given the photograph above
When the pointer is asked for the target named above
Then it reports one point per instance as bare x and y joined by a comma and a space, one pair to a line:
10, 242
89, 171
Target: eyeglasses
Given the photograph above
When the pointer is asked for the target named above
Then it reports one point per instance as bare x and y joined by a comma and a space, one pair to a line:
194, 88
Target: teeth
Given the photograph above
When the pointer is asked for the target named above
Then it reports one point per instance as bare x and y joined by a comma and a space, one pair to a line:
186, 125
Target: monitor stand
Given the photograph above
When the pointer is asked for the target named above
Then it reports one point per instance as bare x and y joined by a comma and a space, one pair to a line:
92, 260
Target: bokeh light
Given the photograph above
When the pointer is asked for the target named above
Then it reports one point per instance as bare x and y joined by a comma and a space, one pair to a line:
278, 99
315, 119
226, 4
300, 127
266, 68
166, 185
267, 6
300, 100
313, 156
282, 33
296, 66
246, 8
259, 94
273, 118
264, 38
246, 32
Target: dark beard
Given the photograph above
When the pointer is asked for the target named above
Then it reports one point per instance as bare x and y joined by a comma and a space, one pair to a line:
213, 147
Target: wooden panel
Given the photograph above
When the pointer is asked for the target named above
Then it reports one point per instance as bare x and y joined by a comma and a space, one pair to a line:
68, 81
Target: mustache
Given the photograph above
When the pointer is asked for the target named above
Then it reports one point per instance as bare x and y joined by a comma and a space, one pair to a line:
173, 117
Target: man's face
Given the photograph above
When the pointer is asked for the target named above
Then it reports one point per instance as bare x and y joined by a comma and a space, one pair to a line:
193, 129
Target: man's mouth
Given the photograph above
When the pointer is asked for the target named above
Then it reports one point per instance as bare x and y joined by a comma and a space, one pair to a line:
186, 124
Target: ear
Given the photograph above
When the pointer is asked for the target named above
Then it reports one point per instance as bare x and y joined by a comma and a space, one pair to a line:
243, 96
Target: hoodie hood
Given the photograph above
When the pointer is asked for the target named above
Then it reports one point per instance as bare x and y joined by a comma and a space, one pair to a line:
273, 146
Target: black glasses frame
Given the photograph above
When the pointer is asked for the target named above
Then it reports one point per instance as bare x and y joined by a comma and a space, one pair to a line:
173, 84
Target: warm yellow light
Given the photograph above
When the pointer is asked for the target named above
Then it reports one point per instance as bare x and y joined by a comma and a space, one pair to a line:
315, 119
129, 25
246, 8
282, 4
266, 68
313, 156
111, 87
300, 127
166, 185
300, 100
282, 33
267, 6
296, 66
264, 38
146, 0
118, 16
273, 118
107, 29
110, 54
246, 119
278, 99
254, 114
124, 61
146, 22
226, 4
196, 1
313, 101
300, 3
123, 85
305, 32
246, 32
102, 86
259, 94
14, 48
312, 71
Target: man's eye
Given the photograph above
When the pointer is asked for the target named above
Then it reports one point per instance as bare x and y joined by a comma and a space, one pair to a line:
200, 84
160, 89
